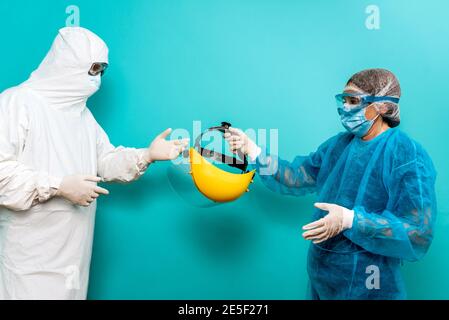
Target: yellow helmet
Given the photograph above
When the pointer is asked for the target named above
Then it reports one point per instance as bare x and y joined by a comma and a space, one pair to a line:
214, 183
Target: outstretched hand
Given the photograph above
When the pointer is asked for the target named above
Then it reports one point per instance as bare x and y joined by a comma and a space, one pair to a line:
162, 149
336, 221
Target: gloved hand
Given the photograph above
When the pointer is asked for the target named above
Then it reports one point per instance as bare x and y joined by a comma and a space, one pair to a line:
81, 190
238, 140
161, 149
336, 221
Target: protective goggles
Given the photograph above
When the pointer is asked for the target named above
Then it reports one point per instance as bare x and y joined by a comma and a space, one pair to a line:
358, 101
98, 68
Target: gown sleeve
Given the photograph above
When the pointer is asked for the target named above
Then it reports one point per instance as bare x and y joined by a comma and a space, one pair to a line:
296, 178
21, 186
405, 229
118, 164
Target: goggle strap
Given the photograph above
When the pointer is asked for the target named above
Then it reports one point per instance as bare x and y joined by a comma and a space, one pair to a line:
387, 98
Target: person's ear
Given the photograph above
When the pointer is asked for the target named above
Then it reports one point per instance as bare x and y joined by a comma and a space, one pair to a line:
381, 107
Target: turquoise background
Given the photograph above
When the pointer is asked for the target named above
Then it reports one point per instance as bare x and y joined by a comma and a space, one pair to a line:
258, 64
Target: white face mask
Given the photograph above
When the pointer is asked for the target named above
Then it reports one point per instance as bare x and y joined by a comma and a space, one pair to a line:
95, 81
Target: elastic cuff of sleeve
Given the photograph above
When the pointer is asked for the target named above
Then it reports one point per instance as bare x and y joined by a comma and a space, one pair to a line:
142, 163
262, 157
55, 182
49, 188
266, 164
348, 218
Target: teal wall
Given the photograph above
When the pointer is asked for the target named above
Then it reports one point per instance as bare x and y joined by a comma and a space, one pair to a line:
256, 63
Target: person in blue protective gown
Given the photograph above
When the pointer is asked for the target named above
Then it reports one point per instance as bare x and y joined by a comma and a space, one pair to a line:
376, 199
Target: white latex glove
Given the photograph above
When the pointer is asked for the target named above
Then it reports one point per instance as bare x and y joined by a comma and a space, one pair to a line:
81, 190
161, 149
238, 140
336, 221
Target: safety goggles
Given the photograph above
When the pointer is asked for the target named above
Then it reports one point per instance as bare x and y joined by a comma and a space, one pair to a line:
359, 101
98, 68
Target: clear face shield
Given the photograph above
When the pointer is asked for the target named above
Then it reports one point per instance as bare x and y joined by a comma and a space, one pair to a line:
218, 177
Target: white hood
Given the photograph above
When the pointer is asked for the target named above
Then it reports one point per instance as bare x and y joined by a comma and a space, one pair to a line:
62, 78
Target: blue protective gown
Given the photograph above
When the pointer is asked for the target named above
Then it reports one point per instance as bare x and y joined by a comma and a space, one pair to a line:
389, 183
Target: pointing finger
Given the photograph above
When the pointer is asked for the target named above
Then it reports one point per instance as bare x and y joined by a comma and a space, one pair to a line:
101, 190
164, 134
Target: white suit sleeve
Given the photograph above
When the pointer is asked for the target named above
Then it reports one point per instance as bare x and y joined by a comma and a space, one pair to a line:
118, 164
21, 187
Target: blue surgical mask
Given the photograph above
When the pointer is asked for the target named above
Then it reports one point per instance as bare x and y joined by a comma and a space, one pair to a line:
355, 121
351, 108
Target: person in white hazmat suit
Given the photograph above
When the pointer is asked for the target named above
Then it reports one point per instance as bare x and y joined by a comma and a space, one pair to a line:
52, 155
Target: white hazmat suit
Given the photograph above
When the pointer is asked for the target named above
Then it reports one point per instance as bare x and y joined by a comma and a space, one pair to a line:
46, 134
